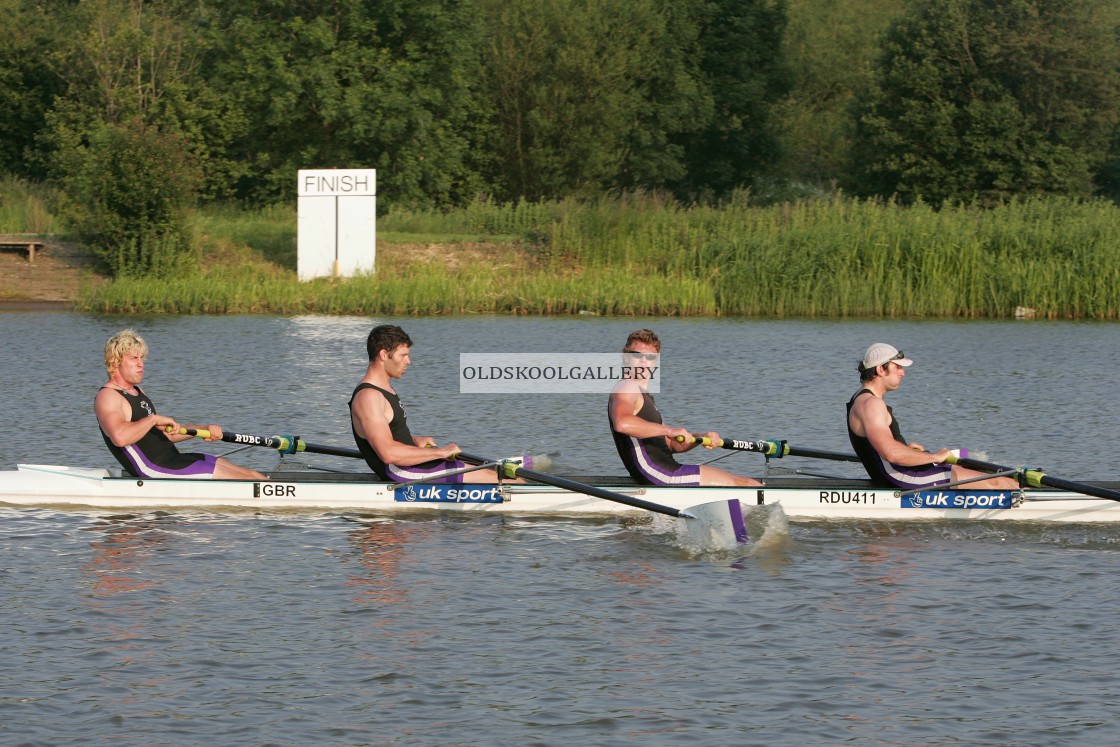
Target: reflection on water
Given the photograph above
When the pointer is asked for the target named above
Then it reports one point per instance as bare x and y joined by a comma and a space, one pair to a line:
117, 563
124, 585
461, 630
381, 546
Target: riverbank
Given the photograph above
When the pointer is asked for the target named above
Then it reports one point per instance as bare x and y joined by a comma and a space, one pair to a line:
1045, 258
63, 275
54, 280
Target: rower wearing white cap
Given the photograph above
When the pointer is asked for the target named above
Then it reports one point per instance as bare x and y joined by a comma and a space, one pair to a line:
878, 441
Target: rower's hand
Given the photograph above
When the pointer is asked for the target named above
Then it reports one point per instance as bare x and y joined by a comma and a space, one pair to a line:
939, 457
447, 452
680, 435
215, 432
166, 424
713, 439
424, 442
679, 439
916, 446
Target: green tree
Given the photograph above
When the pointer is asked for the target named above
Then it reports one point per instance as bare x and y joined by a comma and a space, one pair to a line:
122, 138
632, 94
830, 46
570, 88
742, 65
129, 193
1108, 175
673, 100
389, 85
27, 85
983, 99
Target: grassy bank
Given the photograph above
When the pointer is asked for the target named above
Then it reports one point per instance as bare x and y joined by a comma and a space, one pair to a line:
834, 257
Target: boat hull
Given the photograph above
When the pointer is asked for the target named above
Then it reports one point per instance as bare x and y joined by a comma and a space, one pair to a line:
799, 498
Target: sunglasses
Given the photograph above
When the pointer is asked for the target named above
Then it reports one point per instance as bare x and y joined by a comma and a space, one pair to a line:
637, 354
898, 357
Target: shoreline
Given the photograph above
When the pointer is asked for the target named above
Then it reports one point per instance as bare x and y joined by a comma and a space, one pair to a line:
52, 282
35, 304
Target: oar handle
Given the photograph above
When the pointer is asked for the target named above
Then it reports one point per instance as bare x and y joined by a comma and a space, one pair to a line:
284, 444
769, 448
772, 448
195, 432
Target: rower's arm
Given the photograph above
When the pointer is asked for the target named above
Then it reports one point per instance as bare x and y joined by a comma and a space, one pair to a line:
372, 414
114, 415
623, 410
872, 413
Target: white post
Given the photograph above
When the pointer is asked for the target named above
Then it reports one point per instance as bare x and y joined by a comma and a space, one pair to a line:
337, 222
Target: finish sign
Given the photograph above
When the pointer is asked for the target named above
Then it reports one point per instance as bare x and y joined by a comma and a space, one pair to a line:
337, 222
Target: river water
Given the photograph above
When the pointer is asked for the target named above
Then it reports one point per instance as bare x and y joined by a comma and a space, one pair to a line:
290, 628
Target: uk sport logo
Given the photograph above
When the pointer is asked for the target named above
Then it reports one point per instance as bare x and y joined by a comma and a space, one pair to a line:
958, 499
448, 494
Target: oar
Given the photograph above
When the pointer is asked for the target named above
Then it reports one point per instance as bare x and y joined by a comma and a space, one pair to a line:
717, 522
283, 444
1037, 478
776, 449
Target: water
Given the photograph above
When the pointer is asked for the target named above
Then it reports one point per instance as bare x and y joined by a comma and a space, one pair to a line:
292, 628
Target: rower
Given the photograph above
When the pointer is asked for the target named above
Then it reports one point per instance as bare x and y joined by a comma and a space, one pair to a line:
380, 426
645, 444
877, 438
135, 433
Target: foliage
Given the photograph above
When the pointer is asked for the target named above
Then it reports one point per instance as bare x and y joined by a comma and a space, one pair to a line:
25, 208
1108, 176
984, 100
27, 85
566, 80
129, 196
631, 94
121, 139
351, 84
830, 46
742, 65
534, 103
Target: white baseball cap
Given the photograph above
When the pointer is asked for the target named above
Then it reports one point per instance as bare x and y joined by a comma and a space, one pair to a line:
881, 353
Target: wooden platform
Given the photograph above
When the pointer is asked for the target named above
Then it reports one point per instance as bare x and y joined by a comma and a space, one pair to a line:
30, 246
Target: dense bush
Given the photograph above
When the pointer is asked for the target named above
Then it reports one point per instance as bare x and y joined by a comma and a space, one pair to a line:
128, 199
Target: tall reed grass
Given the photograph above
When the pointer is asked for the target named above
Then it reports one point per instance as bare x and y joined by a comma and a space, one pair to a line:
646, 254
24, 208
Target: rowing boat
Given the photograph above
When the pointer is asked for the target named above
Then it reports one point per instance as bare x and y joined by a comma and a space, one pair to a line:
800, 498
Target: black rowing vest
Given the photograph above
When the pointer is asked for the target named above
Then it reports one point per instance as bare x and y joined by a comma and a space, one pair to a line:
870, 458
656, 450
155, 446
398, 426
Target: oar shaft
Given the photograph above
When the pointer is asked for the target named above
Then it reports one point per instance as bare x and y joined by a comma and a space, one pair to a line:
1075, 487
512, 470
976, 464
836, 456
1038, 479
